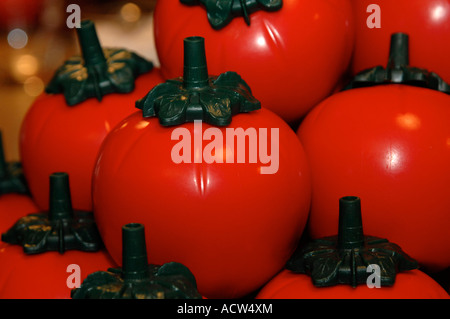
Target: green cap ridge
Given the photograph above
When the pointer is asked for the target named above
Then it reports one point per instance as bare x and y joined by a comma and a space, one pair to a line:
60, 229
344, 258
398, 70
137, 279
221, 12
197, 96
96, 72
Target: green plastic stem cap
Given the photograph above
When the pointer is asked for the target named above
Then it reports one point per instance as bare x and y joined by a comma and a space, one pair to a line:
197, 95
195, 73
344, 258
60, 229
134, 252
97, 71
350, 233
60, 204
137, 279
91, 49
398, 70
221, 12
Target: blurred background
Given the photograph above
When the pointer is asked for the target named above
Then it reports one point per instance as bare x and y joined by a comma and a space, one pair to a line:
35, 41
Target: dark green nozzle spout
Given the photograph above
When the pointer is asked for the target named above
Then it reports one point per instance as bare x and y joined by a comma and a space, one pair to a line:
90, 45
134, 252
350, 233
399, 51
60, 205
195, 74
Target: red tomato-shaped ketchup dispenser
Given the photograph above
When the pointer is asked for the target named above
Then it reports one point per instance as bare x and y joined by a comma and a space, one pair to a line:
137, 279
386, 139
88, 96
15, 201
203, 183
426, 22
351, 265
45, 255
292, 53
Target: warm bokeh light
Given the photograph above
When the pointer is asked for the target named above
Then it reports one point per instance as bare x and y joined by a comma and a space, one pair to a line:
33, 86
27, 64
17, 38
130, 12
22, 66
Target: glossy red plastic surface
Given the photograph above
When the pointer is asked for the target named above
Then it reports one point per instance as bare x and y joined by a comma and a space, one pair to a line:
426, 22
390, 146
57, 138
45, 276
413, 284
292, 58
232, 226
13, 207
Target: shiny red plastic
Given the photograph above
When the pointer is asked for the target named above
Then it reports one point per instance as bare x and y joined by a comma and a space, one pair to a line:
13, 207
59, 138
413, 284
292, 58
231, 225
46, 275
426, 22
390, 146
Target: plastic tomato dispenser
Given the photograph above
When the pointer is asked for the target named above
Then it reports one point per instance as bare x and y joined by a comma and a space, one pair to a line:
44, 255
386, 138
292, 53
136, 279
221, 184
426, 23
351, 265
65, 126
